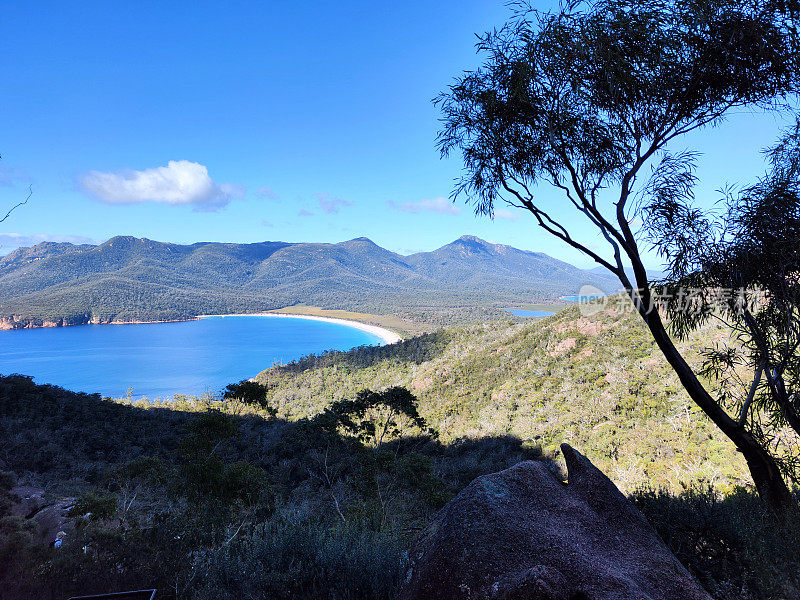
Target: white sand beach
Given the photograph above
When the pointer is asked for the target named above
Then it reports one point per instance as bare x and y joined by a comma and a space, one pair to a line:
389, 337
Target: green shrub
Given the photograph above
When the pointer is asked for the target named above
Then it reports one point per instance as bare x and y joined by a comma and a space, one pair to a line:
249, 485
733, 545
289, 561
250, 392
97, 505
416, 472
16, 533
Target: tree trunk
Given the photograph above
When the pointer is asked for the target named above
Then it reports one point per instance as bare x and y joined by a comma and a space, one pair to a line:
767, 477
763, 469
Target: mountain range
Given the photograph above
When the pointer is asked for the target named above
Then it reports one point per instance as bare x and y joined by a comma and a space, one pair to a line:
135, 279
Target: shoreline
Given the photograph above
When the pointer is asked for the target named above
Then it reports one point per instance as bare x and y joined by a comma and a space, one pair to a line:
4, 326
388, 336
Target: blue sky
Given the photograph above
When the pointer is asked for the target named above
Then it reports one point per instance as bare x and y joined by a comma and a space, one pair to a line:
281, 121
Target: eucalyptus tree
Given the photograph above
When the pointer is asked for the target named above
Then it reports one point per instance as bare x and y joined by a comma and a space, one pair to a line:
743, 268
591, 99
375, 417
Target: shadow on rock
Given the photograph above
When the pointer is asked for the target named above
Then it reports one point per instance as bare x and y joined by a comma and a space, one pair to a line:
523, 533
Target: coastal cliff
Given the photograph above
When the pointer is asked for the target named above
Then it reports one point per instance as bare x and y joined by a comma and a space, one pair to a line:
20, 322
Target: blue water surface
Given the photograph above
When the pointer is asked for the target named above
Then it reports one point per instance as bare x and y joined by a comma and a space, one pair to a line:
528, 313
161, 359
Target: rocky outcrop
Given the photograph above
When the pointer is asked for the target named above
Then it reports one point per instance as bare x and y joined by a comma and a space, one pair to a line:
524, 534
22, 322
51, 518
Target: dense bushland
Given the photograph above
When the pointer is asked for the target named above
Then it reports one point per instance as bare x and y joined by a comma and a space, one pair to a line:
307, 486
200, 485
599, 383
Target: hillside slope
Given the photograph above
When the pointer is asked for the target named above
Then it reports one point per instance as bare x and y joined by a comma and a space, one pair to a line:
215, 499
598, 383
128, 279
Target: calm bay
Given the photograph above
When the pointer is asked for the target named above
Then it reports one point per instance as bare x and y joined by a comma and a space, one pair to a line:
158, 360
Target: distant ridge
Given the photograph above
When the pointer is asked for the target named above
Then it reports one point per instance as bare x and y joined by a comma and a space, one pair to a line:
137, 279
652, 274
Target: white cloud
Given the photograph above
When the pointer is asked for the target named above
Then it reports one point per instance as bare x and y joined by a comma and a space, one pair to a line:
180, 182
267, 193
440, 205
10, 241
331, 206
504, 213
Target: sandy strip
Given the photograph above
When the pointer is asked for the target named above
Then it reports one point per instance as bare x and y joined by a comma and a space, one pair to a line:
388, 337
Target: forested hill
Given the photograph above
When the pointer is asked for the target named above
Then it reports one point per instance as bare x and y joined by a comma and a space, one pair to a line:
218, 499
128, 279
599, 383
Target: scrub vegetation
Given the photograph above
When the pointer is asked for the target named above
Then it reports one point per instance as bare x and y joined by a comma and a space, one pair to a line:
313, 482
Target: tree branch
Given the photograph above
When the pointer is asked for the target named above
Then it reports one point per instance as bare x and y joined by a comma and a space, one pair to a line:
750, 395
16, 206
555, 228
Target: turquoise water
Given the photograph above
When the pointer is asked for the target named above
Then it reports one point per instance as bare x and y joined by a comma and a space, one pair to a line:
161, 359
528, 313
